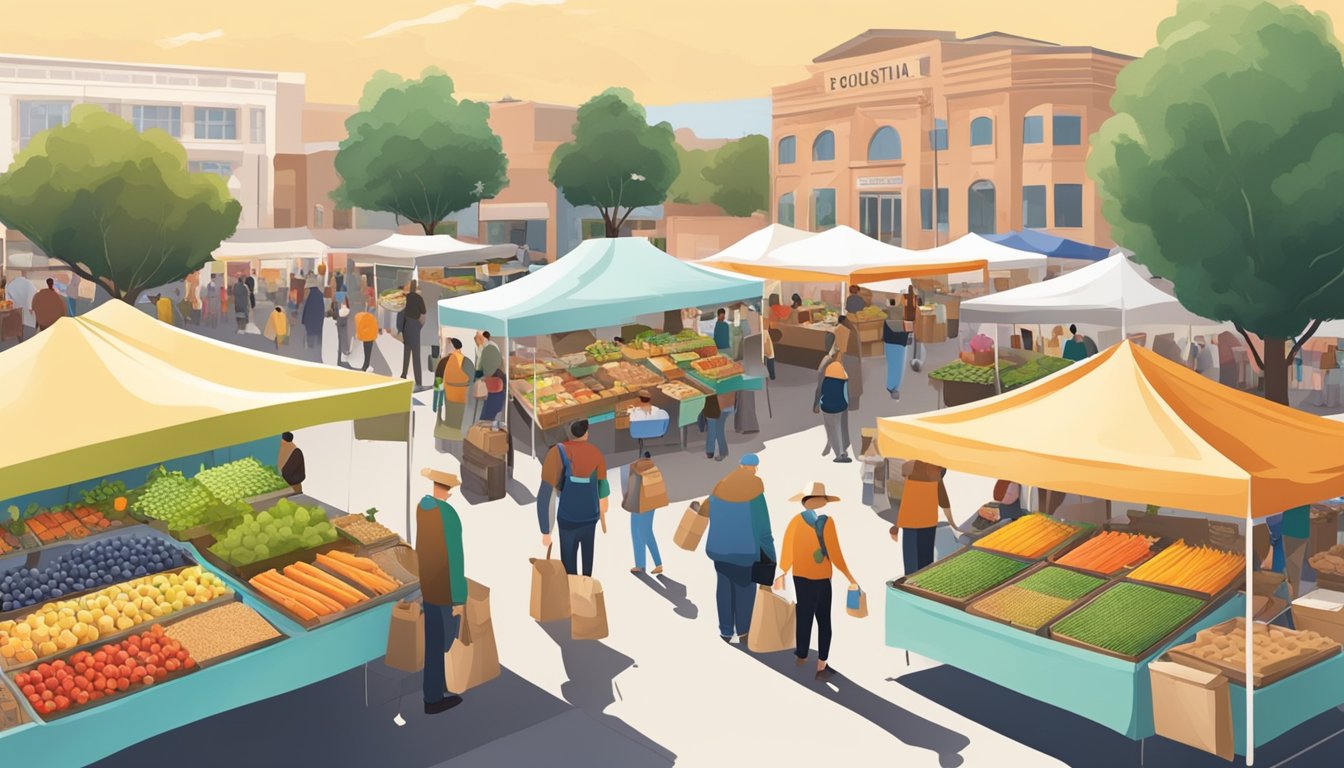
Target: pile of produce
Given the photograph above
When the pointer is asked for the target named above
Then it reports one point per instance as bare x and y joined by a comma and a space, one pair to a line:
241, 479
869, 312
363, 530
1128, 619
139, 661
308, 592
6, 304
665, 363
1030, 536
173, 498
221, 631
1108, 552
1330, 562
659, 343
603, 351
60, 626
684, 357
1273, 647
459, 284
89, 566
60, 525
965, 373
681, 391
1040, 597
283, 528
629, 376
717, 367
1030, 371
393, 299
1199, 569
966, 574
9, 542
104, 493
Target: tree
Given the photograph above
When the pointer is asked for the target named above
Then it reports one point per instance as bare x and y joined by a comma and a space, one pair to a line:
617, 162
691, 187
1222, 166
416, 151
116, 205
740, 175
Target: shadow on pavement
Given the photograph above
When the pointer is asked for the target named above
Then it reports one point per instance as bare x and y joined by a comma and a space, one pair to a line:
905, 726
591, 667
1077, 741
673, 592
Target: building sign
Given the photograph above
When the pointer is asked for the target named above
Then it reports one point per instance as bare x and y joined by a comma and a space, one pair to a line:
872, 182
878, 75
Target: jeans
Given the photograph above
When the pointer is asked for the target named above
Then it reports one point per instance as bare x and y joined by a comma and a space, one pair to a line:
917, 548
715, 432
641, 533
837, 432
895, 354
570, 541
441, 628
368, 355
736, 598
814, 603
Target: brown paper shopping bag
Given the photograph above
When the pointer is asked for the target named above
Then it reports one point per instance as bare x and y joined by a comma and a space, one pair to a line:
473, 659
406, 638
856, 603
772, 623
588, 609
550, 589
692, 527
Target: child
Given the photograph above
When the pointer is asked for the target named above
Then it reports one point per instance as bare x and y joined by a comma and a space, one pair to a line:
645, 493
277, 328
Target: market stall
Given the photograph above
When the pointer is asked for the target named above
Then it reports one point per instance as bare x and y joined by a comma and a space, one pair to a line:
605, 284
1049, 245
231, 564
389, 264
1124, 425
272, 256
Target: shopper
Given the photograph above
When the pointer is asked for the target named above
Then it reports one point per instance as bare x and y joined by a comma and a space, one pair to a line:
855, 303
924, 494
251, 291
1009, 496
778, 312
895, 341
739, 536
313, 315
494, 395
340, 312
443, 584
166, 310
769, 335
717, 409
48, 306
451, 379
1073, 348
72, 294
20, 290
641, 507
723, 333
411, 320
1289, 532
290, 462
812, 551
832, 402
366, 332
646, 410
210, 308
241, 307
576, 471
277, 328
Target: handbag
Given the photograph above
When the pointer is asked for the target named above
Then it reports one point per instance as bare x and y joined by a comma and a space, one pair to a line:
480, 389
493, 384
763, 570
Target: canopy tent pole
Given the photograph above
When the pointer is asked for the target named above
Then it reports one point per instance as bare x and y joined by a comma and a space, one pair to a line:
1250, 642
504, 366
410, 445
535, 415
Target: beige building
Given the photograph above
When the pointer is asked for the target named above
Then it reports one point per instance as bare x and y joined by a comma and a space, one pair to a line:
997, 124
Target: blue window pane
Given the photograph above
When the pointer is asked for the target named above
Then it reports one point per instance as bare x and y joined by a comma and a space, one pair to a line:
982, 132
885, 145
1033, 129
38, 116
823, 148
1033, 207
784, 211
938, 137
169, 119
216, 124
823, 209
1068, 205
788, 150
926, 209
1068, 130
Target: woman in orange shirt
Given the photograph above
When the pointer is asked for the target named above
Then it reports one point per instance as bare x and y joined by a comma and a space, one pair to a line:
810, 548
923, 496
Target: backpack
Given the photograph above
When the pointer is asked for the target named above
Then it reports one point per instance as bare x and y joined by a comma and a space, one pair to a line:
819, 528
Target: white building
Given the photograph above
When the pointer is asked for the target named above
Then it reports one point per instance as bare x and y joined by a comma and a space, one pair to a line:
231, 122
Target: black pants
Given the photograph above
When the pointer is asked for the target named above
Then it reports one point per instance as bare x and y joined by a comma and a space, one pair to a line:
770, 367
411, 354
570, 541
917, 547
368, 355
814, 602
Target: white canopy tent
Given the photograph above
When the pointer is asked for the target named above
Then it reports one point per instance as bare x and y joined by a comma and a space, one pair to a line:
416, 251
756, 246
973, 247
271, 244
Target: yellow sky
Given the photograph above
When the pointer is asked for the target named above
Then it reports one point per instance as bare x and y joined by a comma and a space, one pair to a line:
668, 51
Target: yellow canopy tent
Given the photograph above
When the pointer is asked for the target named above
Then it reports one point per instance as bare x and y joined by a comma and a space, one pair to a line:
116, 389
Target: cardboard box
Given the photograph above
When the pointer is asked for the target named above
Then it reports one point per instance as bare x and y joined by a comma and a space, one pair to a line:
1324, 528
1192, 707
1312, 611
493, 441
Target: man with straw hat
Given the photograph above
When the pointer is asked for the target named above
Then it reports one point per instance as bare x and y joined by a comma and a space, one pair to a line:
443, 583
812, 551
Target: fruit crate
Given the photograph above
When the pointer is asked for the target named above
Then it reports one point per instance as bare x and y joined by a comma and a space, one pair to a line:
12, 712
1037, 568
1265, 674
1156, 547
1151, 650
18, 613
344, 520
402, 555
1083, 530
245, 572
902, 583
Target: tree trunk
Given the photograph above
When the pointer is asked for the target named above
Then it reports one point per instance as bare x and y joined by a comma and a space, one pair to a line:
428, 226
1276, 370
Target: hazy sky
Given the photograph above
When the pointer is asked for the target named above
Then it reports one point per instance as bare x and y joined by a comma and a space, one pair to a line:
551, 50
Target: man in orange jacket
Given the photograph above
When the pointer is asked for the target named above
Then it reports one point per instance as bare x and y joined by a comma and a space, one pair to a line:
366, 330
812, 551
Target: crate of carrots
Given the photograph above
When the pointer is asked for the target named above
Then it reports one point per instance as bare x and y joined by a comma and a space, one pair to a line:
1201, 570
1032, 536
1108, 552
334, 587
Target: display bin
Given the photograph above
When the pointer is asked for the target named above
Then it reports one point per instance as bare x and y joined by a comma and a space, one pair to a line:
1236, 673
384, 557
956, 602
19, 613
245, 572
1041, 630
1083, 531
1153, 549
1195, 618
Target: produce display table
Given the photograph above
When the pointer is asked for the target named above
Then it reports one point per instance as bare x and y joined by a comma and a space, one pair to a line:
802, 345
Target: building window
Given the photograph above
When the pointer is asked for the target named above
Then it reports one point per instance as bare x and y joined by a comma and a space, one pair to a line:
981, 208
167, 119
938, 137
530, 233
885, 145
880, 217
784, 211
1033, 129
224, 170
926, 209
1069, 205
823, 148
1033, 207
788, 150
319, 216
1068, 130
216, 124
982, 132
823, 209
258, 117
38, 116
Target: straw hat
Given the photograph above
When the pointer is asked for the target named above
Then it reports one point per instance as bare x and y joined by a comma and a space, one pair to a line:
441, 478
814, 490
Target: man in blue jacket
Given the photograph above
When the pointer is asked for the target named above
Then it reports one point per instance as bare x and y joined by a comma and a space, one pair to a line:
739, 535
576, 471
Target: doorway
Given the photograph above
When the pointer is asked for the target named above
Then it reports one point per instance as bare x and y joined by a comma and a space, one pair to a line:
880, 217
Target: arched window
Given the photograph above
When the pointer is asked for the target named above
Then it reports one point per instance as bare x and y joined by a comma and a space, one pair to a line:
823, 147
982, 132
980, 207
885, 145
788, 150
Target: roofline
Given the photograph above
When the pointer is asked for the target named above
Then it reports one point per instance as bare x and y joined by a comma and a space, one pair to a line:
1040, 46
832, 54
994, 32
20, 58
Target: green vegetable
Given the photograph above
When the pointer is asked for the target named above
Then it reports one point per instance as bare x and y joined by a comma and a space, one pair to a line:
1128, 619
1061, 583
284, 528
1030, 371
969, 573
963, 372
240, 479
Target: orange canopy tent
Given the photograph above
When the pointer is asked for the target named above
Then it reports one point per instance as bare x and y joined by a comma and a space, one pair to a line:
1129, 425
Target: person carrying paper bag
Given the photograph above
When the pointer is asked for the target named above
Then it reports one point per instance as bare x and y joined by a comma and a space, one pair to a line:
812, 551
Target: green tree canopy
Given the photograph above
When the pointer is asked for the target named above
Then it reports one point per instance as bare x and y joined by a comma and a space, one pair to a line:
617, 161
118, 206
691, 187
1222, 169
740, 175
416, 151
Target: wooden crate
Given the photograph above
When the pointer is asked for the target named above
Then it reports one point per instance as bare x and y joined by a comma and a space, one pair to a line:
956, 602
483, 474
1184, 626
1266, 675
1041, 630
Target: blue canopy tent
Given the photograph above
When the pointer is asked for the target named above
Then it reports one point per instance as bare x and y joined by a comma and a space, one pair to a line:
1049, 245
